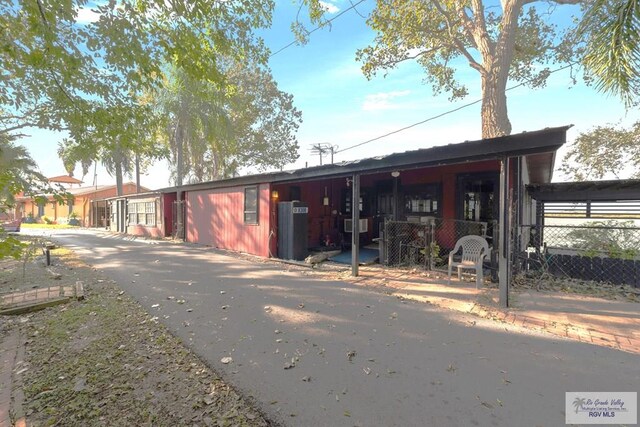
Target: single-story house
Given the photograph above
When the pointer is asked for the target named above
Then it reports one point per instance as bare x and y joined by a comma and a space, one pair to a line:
148, 214
456, 182
471, 182
79, 207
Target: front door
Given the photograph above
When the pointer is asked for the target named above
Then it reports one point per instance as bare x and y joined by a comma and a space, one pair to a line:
478, 198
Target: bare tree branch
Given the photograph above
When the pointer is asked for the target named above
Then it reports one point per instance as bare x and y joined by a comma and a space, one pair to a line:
480, 33
417, 55
458, 43
16, 127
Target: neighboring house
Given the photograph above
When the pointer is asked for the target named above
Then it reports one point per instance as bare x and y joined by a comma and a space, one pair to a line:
147, 214
456, 182
80, 206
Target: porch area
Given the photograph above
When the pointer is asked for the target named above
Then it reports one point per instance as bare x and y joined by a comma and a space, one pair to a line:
410, 217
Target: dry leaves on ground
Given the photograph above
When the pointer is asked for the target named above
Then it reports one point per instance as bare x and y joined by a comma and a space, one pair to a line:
105, 361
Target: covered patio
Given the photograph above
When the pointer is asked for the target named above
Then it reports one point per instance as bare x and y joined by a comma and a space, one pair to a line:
414, 206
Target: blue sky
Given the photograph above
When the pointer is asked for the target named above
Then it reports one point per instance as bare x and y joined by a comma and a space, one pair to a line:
340, 106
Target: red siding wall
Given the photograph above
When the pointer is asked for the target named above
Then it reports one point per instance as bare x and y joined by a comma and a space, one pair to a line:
322, 222
216, 218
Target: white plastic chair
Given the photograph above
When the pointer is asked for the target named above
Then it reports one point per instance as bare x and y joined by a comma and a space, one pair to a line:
474, 250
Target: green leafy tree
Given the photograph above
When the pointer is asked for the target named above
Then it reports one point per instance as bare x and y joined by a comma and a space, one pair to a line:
214, 130
613, 238
604, 150
613, 47
511, 40
57, 68
18, 172
19, 175
87, 76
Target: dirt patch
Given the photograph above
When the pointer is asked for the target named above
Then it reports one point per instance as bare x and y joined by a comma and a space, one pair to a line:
551, 283
105, 361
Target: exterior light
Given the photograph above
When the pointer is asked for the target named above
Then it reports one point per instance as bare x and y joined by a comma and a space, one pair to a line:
395, 174
275, 195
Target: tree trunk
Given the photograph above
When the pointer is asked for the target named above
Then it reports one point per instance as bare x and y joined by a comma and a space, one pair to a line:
179, 166
496, 63
495, 119
137, 173
119, 186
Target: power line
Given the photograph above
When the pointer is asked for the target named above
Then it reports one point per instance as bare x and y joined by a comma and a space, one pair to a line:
353, 6
445, 113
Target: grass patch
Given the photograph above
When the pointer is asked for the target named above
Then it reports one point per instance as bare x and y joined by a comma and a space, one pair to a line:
47, 226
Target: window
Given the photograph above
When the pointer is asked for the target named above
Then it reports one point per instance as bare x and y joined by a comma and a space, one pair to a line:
133, 219
150, 213
251, 205
143, 213
40, 209
422, 200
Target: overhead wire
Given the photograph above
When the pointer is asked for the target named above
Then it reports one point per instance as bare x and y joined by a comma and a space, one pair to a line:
296, 41
444, 114
437, 116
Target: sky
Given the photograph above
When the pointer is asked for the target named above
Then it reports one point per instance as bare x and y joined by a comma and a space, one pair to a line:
341, 107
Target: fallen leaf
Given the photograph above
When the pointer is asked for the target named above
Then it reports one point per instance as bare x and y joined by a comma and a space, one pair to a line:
226, 360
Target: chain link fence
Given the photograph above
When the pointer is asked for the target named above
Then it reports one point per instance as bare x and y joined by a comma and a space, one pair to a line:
426, 244
600, 253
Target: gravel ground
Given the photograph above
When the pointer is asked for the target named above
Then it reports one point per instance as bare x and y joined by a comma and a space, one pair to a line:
105, 361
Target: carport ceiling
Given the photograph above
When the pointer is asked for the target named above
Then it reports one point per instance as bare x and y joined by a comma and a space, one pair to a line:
615, 190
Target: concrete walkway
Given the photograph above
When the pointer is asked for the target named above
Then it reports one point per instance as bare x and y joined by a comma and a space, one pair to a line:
596, 321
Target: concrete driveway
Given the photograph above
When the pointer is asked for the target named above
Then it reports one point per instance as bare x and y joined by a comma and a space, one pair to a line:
325, 353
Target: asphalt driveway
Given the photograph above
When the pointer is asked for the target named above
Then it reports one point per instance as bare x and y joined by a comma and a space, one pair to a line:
312, 352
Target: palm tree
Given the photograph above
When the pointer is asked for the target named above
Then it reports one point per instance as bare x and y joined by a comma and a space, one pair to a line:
578, 403
18, 171
612, 29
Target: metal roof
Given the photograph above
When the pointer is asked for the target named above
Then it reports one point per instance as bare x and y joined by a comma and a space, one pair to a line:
625, 189
527, 143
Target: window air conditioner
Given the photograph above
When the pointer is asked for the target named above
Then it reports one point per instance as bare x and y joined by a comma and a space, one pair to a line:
348, 225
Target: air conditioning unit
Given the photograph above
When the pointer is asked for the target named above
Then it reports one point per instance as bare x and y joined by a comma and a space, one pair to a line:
348, 225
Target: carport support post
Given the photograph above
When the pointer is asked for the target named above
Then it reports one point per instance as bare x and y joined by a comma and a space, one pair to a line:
355, 227
503, 245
